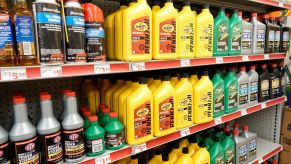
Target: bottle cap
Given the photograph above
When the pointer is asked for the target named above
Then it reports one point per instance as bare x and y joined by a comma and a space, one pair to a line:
264, 66
84, 108
169, 0
157, 151
206, 6
45, 96
105, 110
266, 16
201, 144
18, 100
123, 3
65, 91
236, 125
184, 75
93, 118
143, 80
225, 129
281, 64
227, 124
101, 106
185, 150
222, 8
134, 157
272, 18
242, 68
87, 113
156, 3
43, 93
205, 73
252, 67
17, 93
157, 77
281, 19
187, 3
232, 69
165, 157
235, 132
240, 13
166, 78
274, 65
175, 145
71, 94
245, 128
16, 96
254, 14
112, 114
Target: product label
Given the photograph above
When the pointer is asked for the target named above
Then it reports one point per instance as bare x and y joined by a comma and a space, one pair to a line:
184, 114
142, 120
218, 99
95, 41
24, 35
243, 93
261, 38
264, 89
25, 152
286, 39
52, 148
74, 143
232, 98
5, 153
275, 86
6, 37
254, 91
166, 114
246, 39
222, 37
236, 38
253, 147
187, 38
229, 156
49, 31
277, 39
95, 146
140, 35
114, 140
242, 153
205, 38
271, 39
168, 36
205, 105
76, 31
219, 159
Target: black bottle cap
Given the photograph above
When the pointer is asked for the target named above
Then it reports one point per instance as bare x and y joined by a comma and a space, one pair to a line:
187, 3
175, 145
216, 139
217, 71
185, 150
166, 78
205, 73
134, 156
206, 6
156, 3
201, 144
165, 157
143, 80
235, 10
169, 0
157, 151
135, 79
123, 3
184, 75
157, 77
222, 8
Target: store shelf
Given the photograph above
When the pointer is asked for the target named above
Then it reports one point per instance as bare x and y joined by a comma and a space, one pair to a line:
111, 156
70, 70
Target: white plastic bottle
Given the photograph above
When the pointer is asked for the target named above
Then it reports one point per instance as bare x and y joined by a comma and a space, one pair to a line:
247, 36
251, 143
259, 32
243, 88
254, 85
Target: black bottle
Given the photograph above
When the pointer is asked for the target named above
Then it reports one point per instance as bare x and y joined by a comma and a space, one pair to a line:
264, 84
270, 35
274, 82
285, 36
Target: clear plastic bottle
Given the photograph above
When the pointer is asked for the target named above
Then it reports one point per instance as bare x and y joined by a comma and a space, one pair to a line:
258, 35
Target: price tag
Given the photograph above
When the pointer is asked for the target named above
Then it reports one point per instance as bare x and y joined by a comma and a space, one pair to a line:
185, 132
245, 58
102, 68
51, 71
218, 121
219, 60
266, 56
13, 73
185, 62
244, 112
263, 105
285, 98
138, 66
139, 148
104, 159
281, 4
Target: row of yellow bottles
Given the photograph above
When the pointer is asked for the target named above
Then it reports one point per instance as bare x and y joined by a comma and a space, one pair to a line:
90, 96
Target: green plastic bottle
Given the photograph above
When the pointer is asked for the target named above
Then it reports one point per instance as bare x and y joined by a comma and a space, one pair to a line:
105, 117
208, 140
235, 32
114, 130
228, 146
220, 38
86, 114
230, 92
216, 152
218, 94
94, 136
219, 133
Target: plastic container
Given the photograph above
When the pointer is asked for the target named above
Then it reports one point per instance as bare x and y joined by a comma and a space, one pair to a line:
258, 35
218, 94
156, 6
285, 36
110, 31
247, 37
185, 158
157, 157
117, 93
86, 115
106, 84
165, 159
104, 120
264, 85
270, 35
274, 82
175, 153
109, 92
243, 88
64, 102
4, 146
216, 152
254, 85
241, 156
277, 30
230, 92
202, 155
251, 143
229, 148
235, 32
90, 96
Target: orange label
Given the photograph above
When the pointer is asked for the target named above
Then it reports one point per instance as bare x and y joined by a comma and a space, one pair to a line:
142, 120
168, 36
140, 35
166, 113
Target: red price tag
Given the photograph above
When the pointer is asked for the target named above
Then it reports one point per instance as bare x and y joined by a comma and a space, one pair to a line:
51, 71
185, 132
13, 73
102, 68
138, 66
104, 159
139, 148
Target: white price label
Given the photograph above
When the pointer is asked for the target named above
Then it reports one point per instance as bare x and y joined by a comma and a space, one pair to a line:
138, 66
185, 62
245, 58
285, 98
102, 68
281, 4
244, 112
218, 121
139, 148
13, 73
51, 71
263, 105
219, 60
185, 132
104, 159
266, 56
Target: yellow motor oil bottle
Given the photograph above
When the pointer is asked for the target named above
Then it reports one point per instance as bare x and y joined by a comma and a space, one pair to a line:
137, 29
164, 113
183, 143
109, 29
204, 34
185, 158
99, 83
194, 12
193, 147
110, 91
174, 80
133, 159
175, 153
183, 102
116, 95
150, 80
139, 114
157, 159
165, 25
202, 155
186, 32
90, 96
155, 84
105, 84
156, 6
193, 79
123, 161
203, 99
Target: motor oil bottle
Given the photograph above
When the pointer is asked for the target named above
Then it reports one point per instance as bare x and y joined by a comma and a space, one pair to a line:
285, 36
23, 135
202, 155
157, 82
165, 159
270, 35
193, 147
94, 135
183, 143
90, 96
220, 35
185, 158
235, 33
203, 100
264, 84
4, 146
157, 157
277, 34
174, 80
22, 21
48, 31
156, 6
165, 27
123, 161
258, 35
110, 91
110, 38
282, 78
230, 92
216, 152
86, 115
94, 33
193, 78
106, 84
49, 130
204, 34
104, 120
254, 85
137, 29
183, 102
164, 113
116, 94
241, 156
186, 32
175, 153
139, 108
7, 52
251, 143
73, 132
243, 88
207, 140
218, 94
229, 148
247, 37
274, 82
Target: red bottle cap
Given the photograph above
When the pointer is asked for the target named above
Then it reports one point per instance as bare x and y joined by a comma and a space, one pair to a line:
227, 124
18, 100
240, 13
101, 106
245, 128
232, 68
254, 14
272, 18
236, 125
92, 13
65, 91
71, 94
45, 96
274, 65
112, 114
86, 113
242, 68
84, 108
226, 130
281, 64
16, 96
43, 93
281, 19
252, 67
264, 66
105, 110
235, 132
93, 118
266, 16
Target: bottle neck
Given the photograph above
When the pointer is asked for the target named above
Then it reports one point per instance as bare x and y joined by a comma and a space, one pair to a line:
20, 113
204, 77
21, 4
166, 82
184, 79
46, 109
169, 4
3, 4
113, 119
105, 114
186, 8
123, 7
205, 10
71, 105
95, 123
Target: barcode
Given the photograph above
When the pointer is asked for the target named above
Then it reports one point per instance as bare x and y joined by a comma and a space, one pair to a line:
97, 146
27, 48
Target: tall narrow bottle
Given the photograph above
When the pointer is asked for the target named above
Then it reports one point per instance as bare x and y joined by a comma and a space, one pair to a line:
274, 82
264, 92
218, 95
277, 34
235, 32
258, 33
230, 92
254, 85
247, 37
243, 88
285, 36
270, 35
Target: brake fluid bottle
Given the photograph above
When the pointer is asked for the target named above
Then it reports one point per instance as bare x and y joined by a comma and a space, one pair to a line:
254, 85
235, 32
246, 38
243, 88
258, 33
218, 95
4, 147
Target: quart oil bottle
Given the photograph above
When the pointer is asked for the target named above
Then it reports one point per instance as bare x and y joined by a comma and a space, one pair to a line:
247, 37
243, 88
277, 34
285, 36
110, 41
270, 35
258, 33
202, 155
218, 94
264, 84
230, 92
235, 32
254, 85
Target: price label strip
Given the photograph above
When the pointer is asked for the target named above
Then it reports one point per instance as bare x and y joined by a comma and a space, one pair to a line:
138, 66
185, 132
185, 62
104, 159
13, 73
102, 68
139, 148
51, 71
